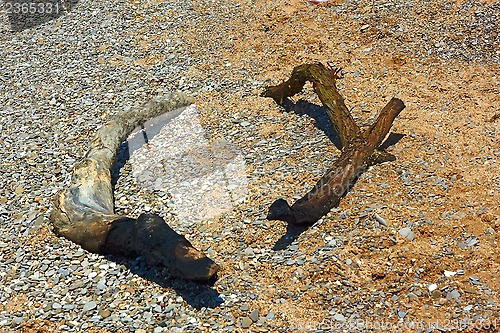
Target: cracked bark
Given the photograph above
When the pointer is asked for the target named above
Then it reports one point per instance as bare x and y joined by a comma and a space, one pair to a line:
359, 147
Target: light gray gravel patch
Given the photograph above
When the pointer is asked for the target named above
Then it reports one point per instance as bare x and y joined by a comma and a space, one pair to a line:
466, 30
57, 87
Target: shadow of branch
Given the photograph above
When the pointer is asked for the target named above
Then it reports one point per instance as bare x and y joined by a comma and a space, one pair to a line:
292, 233
321, 120
391, 140
196, 294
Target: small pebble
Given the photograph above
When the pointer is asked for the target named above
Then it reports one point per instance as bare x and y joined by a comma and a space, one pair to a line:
449, 273
412, 296
453, 294
105, 313
89, 306
380, 220
246, 322
249, 252
339, 317
407, 233
254, 315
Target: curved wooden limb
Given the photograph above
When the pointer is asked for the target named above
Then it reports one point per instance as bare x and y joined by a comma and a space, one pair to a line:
323, 79
84, 212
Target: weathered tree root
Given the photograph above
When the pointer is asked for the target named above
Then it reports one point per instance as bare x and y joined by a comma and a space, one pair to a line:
359, 148
84, 212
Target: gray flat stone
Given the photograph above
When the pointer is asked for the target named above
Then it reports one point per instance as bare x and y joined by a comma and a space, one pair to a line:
254, 315
246, 322
407, 233
339, 317
89, 306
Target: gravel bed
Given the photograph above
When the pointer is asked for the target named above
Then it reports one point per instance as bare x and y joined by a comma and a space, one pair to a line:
413, 244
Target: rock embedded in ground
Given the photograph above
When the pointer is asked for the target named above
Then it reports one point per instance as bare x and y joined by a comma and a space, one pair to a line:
254, 315
246, 322
381, 220
407, 233
89, 306
105, 313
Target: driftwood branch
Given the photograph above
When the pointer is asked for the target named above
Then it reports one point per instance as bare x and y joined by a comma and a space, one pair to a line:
359, 148
84, 212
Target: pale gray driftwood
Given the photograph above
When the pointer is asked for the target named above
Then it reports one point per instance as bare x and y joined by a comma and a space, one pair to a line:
84, 212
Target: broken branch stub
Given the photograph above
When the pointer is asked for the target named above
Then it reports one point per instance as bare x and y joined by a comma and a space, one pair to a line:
359, 148
84, 212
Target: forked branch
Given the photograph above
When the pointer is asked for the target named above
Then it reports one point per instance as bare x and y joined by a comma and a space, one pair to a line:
359, 148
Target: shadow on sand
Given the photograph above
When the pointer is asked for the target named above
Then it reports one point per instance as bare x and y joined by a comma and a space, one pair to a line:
198, 295
322, 122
